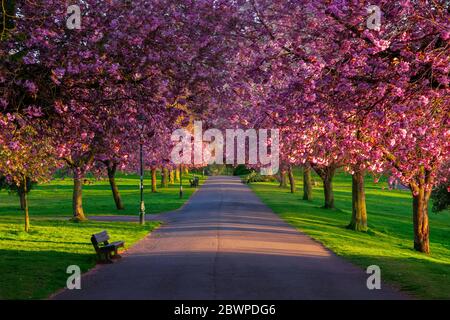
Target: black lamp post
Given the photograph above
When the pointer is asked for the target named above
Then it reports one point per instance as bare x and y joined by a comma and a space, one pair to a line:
141, 154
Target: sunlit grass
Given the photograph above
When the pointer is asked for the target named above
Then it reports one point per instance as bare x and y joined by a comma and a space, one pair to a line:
389, 241
55, 198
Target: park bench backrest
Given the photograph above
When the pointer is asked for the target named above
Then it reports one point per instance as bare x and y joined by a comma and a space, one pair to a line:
99, 238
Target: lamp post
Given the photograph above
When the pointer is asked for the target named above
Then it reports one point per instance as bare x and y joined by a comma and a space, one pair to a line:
141, 155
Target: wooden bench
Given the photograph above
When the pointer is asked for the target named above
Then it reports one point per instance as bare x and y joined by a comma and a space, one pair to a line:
105, 249
194, 182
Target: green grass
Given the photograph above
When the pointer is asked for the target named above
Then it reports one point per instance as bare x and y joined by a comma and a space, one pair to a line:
389, 241
55, 198
33, 265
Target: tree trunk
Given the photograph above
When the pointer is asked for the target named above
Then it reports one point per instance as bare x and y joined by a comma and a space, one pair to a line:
153, 180
420, 220
283, 178
25, 206
77, 200
165, 178
327, 174
114, 188
171, 176
291, 179
328, 192
21, 199
177, 174
186, 170
307, 183
359, 213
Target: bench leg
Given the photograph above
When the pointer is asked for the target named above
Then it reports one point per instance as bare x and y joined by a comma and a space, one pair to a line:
116, 255
104, 258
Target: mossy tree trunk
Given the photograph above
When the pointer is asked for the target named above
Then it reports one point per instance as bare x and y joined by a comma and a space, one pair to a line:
283, 178
358, 221
420, 222
78, 169
421, 196
307, 183
326, 173
164, 177
177, 174
77, 199
171, 176
153, 171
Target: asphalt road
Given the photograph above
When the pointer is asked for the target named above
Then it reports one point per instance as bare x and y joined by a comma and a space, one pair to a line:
225, 244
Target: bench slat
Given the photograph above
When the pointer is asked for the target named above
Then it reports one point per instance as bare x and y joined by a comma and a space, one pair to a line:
101, 237
118, 243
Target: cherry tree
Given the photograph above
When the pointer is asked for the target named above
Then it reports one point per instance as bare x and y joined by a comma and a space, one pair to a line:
398, 78
25, 157
360, 85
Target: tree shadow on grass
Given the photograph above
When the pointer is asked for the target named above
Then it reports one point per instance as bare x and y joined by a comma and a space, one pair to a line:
37, 274
420, 276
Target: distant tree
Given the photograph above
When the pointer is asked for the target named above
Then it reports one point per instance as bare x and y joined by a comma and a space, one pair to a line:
441, 193
441, 198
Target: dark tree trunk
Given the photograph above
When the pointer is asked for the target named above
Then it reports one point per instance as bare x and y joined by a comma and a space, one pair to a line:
164, 178
291, 179
283, 178
328, 192
77, 200
114, 188
327, 174
420, 220
21, 194
153, 180
359, 212
307, 183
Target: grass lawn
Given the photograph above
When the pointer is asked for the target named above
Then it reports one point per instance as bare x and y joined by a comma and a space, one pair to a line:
55, 198
389, 241
33, 265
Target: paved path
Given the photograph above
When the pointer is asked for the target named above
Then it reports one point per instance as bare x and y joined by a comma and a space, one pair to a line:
226, 244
